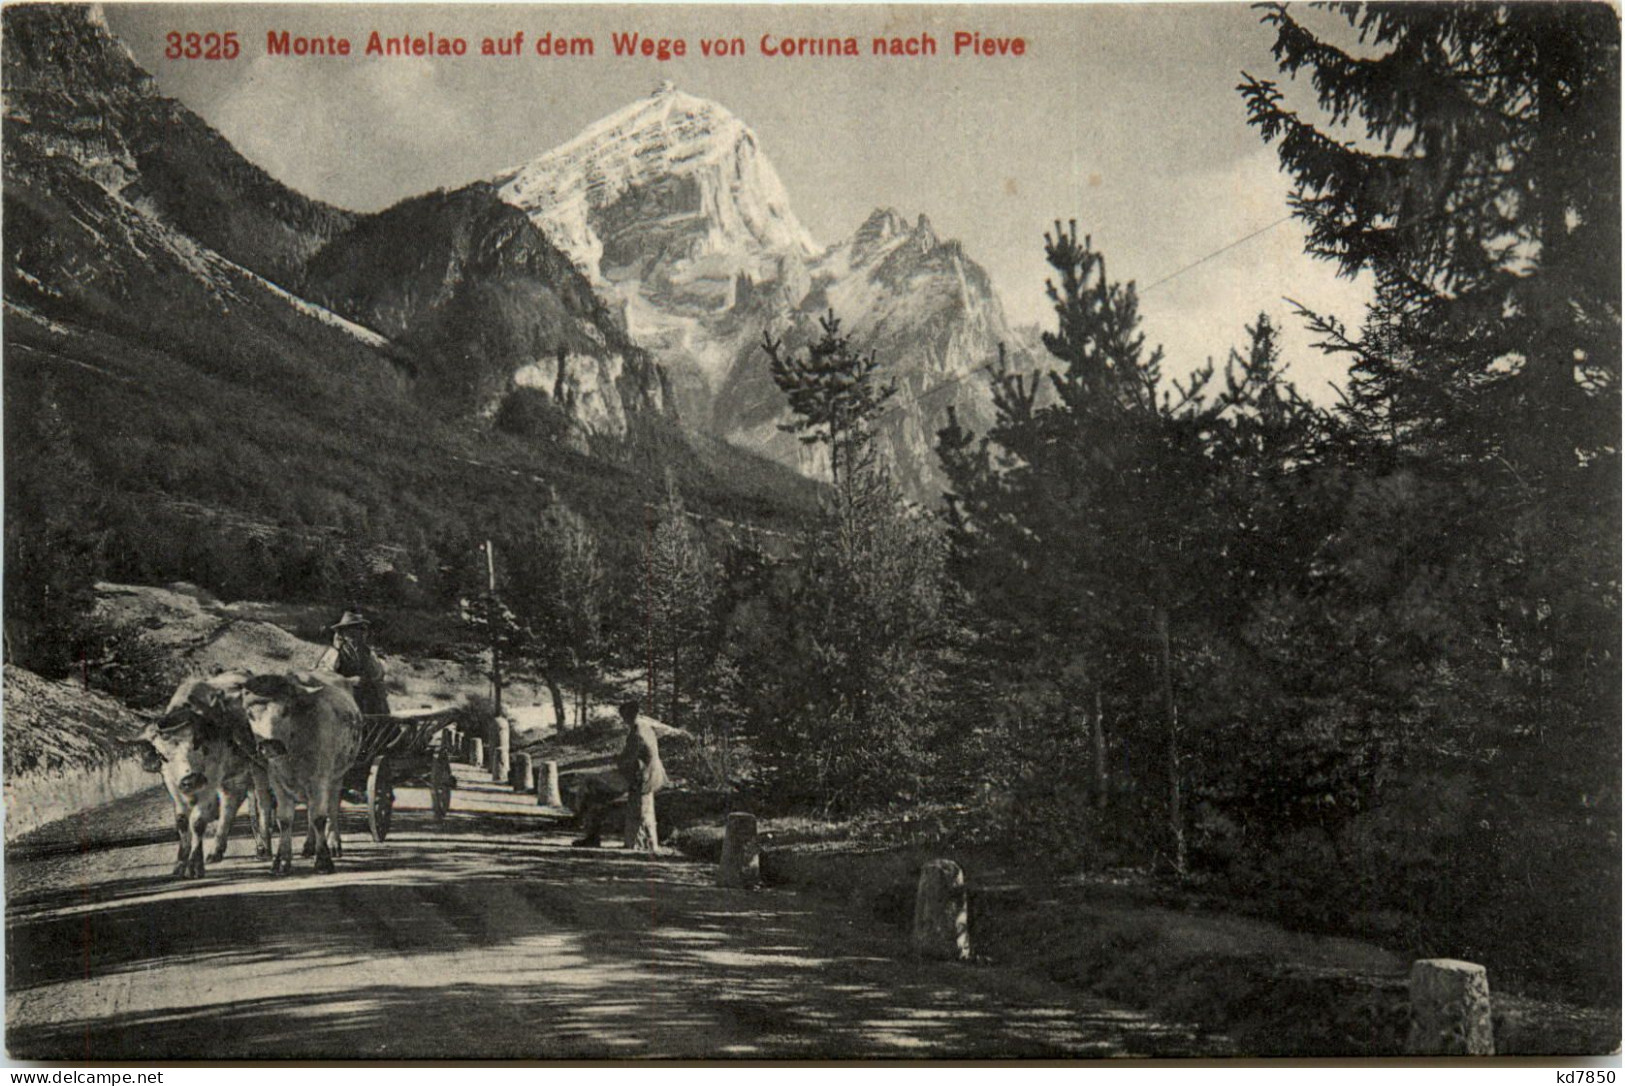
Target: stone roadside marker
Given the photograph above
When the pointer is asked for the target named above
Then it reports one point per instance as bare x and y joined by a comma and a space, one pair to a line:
941, 913
741, 864
1450, 1009
547, 786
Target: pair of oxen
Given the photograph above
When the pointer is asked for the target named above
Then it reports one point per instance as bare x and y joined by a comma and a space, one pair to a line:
225, 737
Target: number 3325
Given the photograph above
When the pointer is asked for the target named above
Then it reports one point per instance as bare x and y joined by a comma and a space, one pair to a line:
201, 46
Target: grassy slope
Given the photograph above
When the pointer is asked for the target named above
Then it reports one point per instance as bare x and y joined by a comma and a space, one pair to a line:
237, 420
53, 726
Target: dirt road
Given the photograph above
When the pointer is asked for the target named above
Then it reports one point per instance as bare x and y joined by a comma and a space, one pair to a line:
487, 938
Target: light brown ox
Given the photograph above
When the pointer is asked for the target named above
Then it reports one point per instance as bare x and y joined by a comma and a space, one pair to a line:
200, 746
308, 728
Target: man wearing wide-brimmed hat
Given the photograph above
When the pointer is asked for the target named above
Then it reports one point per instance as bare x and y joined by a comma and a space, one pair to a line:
351, 657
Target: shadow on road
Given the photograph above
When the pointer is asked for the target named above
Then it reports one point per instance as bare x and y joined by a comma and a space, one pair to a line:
474, 941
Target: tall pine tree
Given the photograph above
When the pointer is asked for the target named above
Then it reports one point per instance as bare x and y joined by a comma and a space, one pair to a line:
836, 397
684, 588
857, 691
1469, 160
1087, 530
1466, 157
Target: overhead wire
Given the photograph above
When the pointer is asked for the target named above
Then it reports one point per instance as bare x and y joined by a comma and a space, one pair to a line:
957, 378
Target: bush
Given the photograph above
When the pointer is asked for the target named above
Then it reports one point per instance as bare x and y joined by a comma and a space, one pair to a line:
1296, 877
1445, 866
531, 413
119, 660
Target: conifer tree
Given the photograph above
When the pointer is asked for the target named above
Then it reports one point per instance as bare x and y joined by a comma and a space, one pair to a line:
582, 587
558, 587
835, 397
684, 595
1467, 157
1471, 166
856, 690
1085, 529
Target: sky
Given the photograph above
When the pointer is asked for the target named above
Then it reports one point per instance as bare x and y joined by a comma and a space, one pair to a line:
1122, 116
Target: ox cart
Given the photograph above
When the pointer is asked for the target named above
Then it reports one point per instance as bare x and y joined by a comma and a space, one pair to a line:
402, 748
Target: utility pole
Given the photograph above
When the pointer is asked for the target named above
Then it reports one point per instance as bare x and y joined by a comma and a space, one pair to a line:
648, 599
499, 723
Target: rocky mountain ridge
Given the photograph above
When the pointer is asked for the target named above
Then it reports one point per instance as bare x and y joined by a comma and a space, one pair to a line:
82, 116
671, 208
75, 95
182, 331
497, 322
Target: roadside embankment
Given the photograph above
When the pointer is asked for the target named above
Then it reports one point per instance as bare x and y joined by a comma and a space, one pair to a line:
61, 751
194, 633
1161, 946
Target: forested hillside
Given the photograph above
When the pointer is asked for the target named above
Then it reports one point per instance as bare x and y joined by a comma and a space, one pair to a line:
174, 411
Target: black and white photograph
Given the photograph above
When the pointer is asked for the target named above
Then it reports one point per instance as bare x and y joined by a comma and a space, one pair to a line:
811, 532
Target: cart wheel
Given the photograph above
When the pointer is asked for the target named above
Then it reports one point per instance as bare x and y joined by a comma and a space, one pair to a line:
380, 798
440, 784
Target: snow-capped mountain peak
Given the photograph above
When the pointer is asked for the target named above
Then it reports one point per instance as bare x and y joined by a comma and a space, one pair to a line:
672, 211
716, 183
667, 118
671, 207
883, 226
885, 232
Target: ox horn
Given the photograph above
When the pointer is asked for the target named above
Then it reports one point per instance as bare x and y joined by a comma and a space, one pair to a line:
307, 683
151, 760
267, 686
174, 720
